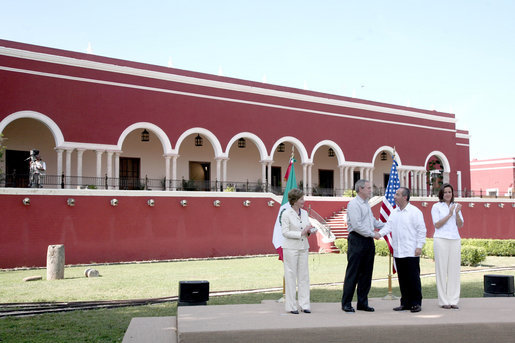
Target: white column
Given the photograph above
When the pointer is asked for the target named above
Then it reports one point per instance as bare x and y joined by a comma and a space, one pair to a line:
167, 172
361, 170
263, 173
68, 171
415, 183
304, 176
174, 172
59, 166
342, 185
117, 170
80, 153
346, 178
458, 186
224, 171
421, 183
109, 168
445, 177
99, 163
351, 174
218, 171
310, 181
371, 177
402, 174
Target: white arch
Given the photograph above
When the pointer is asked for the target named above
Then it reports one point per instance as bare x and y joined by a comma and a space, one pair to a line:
442, 157
255, 139
163, 138
217, 147
390, 150
52, 126
337, 150
298, 144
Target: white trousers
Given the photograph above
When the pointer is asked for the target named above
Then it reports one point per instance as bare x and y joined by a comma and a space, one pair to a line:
448, 267
296, 270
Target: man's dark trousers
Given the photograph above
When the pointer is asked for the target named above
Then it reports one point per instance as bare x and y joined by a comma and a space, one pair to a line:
360, 264
408, 272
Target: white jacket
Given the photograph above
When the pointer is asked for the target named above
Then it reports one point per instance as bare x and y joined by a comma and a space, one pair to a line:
292, 225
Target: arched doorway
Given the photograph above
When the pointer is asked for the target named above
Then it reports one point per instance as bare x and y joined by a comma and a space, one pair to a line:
19, 138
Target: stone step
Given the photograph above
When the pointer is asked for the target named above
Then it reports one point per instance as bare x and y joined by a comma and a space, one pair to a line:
151, 329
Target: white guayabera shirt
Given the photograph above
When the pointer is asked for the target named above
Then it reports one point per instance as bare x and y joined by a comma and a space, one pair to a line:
408, 231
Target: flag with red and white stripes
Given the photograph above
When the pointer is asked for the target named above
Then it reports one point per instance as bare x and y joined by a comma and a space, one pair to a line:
388, 204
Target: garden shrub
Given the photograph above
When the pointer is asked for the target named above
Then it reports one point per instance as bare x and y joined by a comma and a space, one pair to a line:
472, 256
341, 243
382, 248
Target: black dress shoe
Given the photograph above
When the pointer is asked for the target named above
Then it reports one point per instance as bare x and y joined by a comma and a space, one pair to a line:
415, 308
306, 311
400, 308
294, 312
366, 308
348, 308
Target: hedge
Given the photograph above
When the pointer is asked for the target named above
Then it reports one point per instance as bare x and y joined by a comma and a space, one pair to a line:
473, 251
493, 247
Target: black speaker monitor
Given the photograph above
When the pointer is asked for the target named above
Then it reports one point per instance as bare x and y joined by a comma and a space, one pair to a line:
498, 285
193, 293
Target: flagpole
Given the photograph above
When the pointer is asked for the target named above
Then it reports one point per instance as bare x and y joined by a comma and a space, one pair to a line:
390, 295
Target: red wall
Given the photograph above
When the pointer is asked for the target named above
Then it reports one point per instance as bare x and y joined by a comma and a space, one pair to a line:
480, 222
94, 231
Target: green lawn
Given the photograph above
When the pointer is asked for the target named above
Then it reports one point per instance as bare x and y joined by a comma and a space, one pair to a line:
150, 280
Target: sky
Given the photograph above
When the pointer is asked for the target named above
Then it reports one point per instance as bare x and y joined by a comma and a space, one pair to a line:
454, 56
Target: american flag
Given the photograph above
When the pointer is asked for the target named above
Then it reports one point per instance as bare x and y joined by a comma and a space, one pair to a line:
389, 203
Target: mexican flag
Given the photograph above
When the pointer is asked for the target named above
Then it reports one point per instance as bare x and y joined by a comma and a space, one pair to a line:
291, 183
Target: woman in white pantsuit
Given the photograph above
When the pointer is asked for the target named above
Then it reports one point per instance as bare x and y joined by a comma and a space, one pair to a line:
447, 219
296, 228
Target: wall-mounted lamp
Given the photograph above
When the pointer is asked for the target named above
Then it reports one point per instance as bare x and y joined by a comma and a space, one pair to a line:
383, 156
70, 202
199, 141
145, 136
242, 143
246, 203
184, 203
216, 203
471, 204
501, 205
330, 152
271, 203
280, 147
114, 202
487, 205
26, 201
151, 202
424, 204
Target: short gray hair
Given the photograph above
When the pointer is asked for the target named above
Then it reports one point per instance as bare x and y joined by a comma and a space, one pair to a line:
360, 184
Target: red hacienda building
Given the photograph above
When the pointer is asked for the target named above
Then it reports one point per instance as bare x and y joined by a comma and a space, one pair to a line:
493, 177
109, 128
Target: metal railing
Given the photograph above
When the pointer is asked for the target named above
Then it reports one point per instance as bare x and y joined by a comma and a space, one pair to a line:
146, 183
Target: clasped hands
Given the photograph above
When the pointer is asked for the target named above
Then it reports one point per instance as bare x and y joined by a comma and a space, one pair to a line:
306, 231
456, 207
